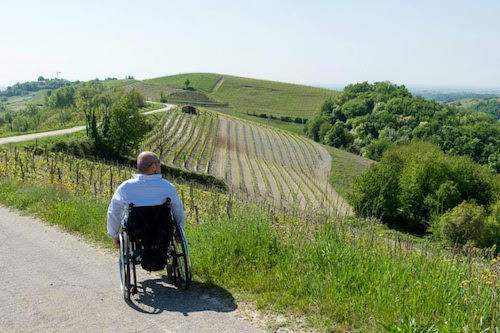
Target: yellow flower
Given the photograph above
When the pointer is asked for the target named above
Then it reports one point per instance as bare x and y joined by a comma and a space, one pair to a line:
489, 283
380, 234
494, 260
465, 282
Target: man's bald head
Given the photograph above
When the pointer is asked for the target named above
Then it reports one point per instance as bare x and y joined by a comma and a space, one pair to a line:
146, 161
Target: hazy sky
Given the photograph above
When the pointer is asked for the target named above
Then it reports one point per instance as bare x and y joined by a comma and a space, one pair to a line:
436, 42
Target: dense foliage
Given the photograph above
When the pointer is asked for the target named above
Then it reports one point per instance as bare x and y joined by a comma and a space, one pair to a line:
368, 118
489, 106
20, 89
415, 184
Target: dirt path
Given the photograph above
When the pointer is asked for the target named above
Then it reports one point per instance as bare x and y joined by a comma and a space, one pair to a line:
54, 282
218, 84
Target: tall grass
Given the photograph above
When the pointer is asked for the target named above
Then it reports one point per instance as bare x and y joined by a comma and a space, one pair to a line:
336, 277
341, 279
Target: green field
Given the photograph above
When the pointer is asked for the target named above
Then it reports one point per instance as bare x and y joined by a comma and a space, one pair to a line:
271, 98
16, 103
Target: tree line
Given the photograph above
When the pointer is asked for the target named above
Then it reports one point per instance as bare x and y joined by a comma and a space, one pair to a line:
20, 89
367, 119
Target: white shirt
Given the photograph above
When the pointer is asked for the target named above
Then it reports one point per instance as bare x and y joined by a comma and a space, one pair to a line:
142, 190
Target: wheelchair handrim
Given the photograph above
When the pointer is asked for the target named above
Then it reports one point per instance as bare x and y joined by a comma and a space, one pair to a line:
121, 265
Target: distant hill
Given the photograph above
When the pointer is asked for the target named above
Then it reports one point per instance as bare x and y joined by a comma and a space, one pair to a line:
488, 105
246, 95
25, 88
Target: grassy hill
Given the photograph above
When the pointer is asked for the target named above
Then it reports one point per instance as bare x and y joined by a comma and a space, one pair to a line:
272, 98
15, 103
489, 105
245, 95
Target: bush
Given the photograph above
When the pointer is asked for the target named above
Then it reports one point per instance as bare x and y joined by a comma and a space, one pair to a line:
466, 223
416, 182
78, 147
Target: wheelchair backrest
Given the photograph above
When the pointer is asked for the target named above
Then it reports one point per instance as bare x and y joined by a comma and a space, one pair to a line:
150, 227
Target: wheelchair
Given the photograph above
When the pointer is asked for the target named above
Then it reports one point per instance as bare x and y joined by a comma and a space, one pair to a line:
150, 237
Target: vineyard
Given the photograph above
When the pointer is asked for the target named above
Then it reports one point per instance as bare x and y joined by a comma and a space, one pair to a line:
98, 179
256, 162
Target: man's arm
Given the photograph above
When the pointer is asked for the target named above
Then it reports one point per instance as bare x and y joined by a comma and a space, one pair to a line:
177, 210
115, 214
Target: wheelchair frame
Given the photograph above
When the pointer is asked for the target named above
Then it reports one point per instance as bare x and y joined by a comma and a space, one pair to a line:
178, 261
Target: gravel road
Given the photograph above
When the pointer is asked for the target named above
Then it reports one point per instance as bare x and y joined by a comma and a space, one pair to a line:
54, 282
33, 136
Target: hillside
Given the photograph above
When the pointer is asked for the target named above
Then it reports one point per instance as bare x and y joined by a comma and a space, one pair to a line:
488, 105
257, 162
245, 95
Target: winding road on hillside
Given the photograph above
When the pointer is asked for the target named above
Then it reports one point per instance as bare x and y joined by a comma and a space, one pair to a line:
54, 282
33, 136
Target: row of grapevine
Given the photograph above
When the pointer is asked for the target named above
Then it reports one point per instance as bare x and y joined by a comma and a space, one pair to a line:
255, 161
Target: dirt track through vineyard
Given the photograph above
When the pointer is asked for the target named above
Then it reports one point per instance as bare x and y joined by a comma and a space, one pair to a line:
255, 161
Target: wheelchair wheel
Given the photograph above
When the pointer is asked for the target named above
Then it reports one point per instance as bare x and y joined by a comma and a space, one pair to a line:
124, 266
181, 262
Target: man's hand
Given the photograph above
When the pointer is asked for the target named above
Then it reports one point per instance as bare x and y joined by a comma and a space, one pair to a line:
116, 241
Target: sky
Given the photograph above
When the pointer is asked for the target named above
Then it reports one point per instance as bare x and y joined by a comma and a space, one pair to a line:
435, 43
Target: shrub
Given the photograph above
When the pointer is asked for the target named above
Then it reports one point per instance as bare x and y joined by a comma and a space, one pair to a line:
466, 223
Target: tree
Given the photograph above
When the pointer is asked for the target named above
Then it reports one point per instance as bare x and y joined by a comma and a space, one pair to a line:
338, 136
327, 106
126, 126
41, 78
186, 84
163, 97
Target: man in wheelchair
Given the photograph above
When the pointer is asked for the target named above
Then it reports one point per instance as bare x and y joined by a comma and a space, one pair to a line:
146, 222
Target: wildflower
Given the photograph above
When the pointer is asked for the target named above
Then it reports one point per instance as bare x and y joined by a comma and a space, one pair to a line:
380, 234
465, 283
494, 260
489, 283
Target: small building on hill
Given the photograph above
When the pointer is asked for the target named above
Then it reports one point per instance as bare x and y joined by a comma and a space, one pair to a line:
189, 109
